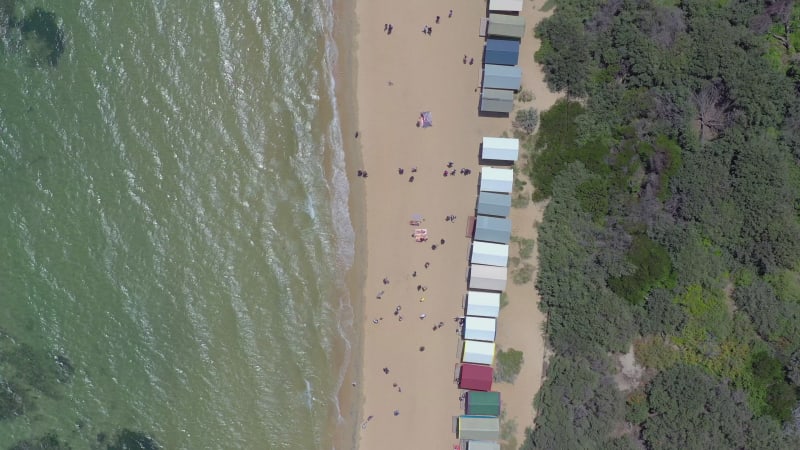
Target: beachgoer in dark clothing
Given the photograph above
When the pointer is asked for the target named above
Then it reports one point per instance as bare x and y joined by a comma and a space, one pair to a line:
411, 179
450, 14
437, 19
471, 60
360, 173
400, 171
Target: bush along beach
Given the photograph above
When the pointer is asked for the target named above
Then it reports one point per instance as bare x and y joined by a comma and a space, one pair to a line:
672, 227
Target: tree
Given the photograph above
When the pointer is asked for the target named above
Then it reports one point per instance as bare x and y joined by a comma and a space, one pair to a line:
714, 110
690, 410
577, 407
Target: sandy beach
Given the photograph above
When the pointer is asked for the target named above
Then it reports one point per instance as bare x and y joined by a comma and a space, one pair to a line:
410, 342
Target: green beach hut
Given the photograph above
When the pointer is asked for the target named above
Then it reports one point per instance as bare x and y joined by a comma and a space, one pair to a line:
483, 403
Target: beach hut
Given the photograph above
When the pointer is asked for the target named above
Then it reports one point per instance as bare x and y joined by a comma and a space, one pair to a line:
482, 445
483, 304
492, 229
489, 254
505, 5
478, 428
500, 149
480, 328
502, 77
497, 101
487, 278
494, 204
478, 352
503, 25
501, 51
475, 377
483, 403
497, 180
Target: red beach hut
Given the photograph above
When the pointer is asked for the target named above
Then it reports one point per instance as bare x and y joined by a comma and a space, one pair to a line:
476, 377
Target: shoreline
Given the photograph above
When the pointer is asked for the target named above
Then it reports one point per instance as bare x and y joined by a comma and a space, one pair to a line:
345, 29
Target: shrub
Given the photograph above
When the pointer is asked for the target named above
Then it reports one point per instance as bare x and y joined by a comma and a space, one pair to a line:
523, 274
525, 96
526, 120
507, 365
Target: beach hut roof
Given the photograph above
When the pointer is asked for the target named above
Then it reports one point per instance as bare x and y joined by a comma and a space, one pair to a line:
483, 403
497, 101
497, 180
478, 352
504, 25
501, 51
478, 428
502, 77
482, 445
493, 229
494, 204
480, 328
475, 377
489, 253
487, 278
485, 304
505, 5
500, 149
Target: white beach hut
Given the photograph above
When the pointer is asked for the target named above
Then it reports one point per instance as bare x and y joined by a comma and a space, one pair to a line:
497, 180
505, 5
500, 149
482, 445
480, 328
489, 254
488, 278
478, 352
485, 304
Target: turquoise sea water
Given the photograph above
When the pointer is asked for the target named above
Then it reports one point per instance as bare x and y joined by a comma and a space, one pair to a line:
174, 225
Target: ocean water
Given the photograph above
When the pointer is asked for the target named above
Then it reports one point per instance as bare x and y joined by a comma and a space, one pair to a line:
173, 225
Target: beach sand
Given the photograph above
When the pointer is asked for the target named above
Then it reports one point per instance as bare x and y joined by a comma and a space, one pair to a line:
407, 384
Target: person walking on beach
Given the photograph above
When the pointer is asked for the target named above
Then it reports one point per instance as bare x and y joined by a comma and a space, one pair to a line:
437, 19
450, 14
389, 31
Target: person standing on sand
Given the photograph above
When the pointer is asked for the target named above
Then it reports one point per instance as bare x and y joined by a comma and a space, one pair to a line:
450, 15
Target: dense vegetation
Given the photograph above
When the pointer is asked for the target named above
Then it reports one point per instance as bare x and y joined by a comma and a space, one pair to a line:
672, 227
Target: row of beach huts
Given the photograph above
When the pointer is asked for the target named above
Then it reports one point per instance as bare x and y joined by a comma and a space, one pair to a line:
502, 76
490, 230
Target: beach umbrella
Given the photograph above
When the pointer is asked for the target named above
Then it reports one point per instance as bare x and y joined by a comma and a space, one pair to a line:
427, 119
